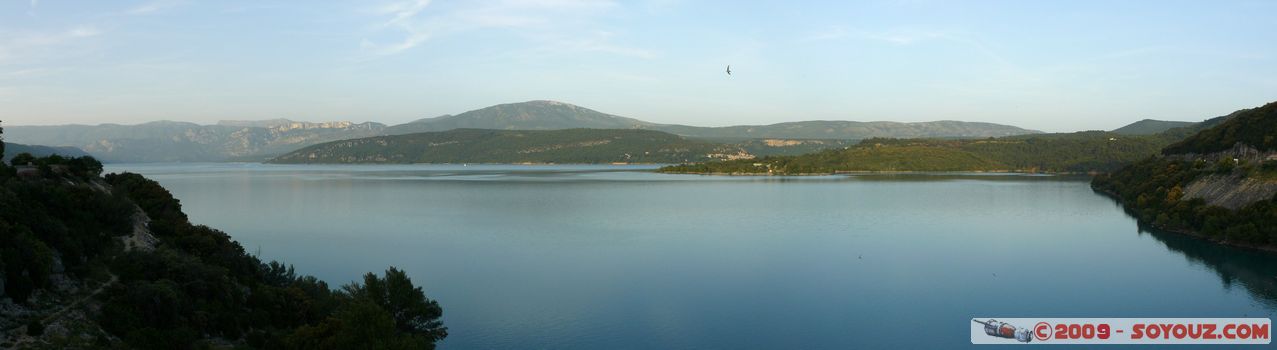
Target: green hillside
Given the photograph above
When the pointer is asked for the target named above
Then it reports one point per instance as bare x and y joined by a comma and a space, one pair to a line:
784, 147
1082, 152
844, 129
508, 146
1256, 127
1219, 183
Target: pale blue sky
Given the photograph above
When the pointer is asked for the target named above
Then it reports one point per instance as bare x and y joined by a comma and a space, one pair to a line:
1054, 66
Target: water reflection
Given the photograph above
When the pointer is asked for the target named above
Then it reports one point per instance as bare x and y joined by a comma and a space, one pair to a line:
1254, 270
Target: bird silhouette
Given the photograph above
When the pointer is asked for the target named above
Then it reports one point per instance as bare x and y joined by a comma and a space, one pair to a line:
729, 69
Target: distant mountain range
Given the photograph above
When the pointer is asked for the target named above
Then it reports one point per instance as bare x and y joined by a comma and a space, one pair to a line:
167, 141
531, 115
517, 146
551, 115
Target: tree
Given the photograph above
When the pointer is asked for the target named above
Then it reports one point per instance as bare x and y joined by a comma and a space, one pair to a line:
412, 311
1, 140
360, 324
85, 166
53, 159
22, 159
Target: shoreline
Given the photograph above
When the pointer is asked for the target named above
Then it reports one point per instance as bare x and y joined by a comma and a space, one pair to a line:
423, 163
882, 172
1271, 249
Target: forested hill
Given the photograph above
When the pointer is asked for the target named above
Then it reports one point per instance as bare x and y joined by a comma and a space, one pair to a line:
1150, 127
1256, 127
516, 146
1082, 152
846, 129
1219, 183
112, 262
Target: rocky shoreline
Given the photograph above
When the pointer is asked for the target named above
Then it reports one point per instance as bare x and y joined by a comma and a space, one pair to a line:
1190, 233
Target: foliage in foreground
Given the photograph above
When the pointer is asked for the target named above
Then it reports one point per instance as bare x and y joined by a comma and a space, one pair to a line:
201, 284
197, 287
48, 227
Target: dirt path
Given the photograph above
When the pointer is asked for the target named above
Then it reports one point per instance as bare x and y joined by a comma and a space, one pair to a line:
141, 239
23, 338
77, 302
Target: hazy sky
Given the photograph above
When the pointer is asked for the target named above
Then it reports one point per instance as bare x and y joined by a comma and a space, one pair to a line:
1054, 66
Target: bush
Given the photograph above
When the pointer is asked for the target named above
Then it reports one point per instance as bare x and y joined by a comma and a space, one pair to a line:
1225, 165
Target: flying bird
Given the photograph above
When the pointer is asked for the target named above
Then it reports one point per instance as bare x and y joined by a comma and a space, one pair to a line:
729, 69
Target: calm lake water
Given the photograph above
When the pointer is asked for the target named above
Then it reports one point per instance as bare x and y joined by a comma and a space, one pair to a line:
608, 257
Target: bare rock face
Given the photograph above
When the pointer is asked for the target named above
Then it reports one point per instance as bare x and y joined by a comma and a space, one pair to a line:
141, 239
58, 267
1230, 191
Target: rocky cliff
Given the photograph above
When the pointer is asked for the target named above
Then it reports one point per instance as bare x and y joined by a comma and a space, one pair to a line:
1219, 183
1236, 189
1230, 191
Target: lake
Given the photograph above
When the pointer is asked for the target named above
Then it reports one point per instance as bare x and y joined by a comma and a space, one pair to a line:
618, 257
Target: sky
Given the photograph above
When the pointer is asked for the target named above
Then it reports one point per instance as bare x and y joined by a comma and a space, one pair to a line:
1045, 65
